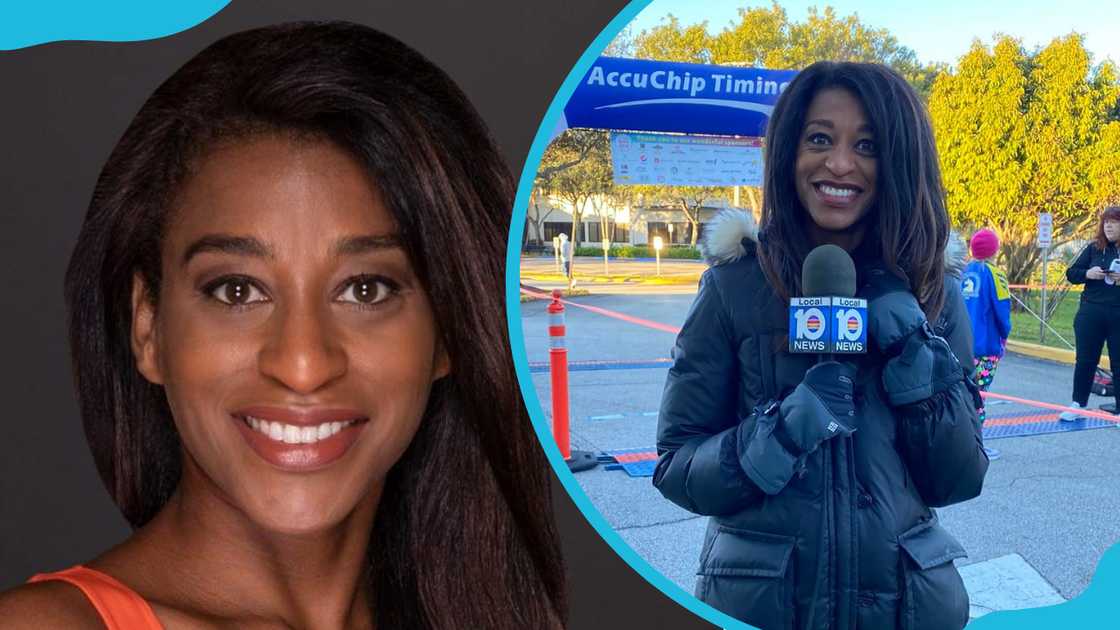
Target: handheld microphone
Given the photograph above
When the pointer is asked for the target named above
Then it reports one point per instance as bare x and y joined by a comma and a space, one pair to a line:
828, 320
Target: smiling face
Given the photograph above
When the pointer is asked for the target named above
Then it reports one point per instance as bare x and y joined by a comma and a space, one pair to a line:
295, 344
835, 170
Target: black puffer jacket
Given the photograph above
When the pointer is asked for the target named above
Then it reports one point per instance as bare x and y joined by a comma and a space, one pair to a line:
850, 541
1096, 291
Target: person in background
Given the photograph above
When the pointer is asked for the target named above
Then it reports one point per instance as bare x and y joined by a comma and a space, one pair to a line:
988, 301
1098, 317
566, 255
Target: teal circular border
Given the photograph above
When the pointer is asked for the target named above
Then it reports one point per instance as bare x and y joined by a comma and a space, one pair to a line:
1089, 610
33, 22
517, 339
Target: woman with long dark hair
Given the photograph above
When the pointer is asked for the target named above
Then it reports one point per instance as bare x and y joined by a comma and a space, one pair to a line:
820, 475
1098, 317
294, 390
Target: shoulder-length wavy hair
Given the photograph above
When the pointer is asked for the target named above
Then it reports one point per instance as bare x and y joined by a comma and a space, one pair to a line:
908, 219
1111, 213
465, 535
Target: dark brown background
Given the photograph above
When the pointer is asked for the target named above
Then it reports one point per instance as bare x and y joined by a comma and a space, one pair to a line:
62, 108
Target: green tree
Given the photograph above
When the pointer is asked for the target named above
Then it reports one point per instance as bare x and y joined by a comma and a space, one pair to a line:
1022, 133
766, 37
622, 45
688, 199
673, 41
587, 153
825, 35
586, 173
758, 32
616, 199
535, 217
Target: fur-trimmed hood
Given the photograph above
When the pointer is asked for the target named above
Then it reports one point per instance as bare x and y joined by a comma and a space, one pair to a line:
724, 234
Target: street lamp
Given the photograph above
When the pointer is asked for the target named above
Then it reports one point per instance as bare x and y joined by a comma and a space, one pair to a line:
657, 245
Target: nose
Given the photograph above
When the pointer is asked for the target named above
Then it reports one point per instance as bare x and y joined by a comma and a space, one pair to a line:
301, 352
840, 161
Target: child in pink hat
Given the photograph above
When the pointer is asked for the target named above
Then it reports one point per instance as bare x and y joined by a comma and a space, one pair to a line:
988, 300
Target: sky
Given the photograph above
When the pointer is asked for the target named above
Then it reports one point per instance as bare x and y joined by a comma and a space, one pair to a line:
936, 30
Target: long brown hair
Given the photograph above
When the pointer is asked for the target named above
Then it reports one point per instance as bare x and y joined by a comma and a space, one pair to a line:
908, 219
465, 534
1111, 213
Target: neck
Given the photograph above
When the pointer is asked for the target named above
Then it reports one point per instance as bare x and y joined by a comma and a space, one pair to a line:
213, 560
848, 239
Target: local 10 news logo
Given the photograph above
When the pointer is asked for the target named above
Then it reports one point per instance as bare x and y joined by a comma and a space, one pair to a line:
835, 325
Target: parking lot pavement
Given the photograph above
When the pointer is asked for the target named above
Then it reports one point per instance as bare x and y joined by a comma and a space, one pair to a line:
1049, 503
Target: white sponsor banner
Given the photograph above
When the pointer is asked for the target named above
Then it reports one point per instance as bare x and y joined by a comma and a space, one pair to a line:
648, 158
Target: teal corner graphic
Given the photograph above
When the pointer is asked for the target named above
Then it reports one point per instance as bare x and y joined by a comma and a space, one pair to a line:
1091, 610
26, 23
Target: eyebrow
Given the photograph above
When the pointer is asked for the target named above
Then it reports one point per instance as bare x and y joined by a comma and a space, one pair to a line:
227, 244
249, 246
354, 245
828, 123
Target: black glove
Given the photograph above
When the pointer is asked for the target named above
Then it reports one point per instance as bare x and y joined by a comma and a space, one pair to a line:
893, 313
921, 363
925, 367
821, 407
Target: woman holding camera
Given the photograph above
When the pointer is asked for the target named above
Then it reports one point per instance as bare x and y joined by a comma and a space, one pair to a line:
1098, 317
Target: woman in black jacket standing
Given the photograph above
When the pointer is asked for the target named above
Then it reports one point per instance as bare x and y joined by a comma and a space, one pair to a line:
1098, 317
820, 476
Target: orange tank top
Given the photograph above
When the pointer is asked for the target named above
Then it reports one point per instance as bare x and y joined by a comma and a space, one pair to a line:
119, 606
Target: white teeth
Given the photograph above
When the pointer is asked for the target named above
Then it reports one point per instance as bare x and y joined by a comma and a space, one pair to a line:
837, 192
291, 434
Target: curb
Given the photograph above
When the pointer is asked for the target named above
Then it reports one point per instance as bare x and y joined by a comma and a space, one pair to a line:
1046, 352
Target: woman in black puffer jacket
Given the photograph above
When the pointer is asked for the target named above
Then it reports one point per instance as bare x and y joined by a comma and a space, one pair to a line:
820, 477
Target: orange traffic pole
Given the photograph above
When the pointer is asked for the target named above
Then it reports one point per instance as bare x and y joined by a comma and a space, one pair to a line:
558, 366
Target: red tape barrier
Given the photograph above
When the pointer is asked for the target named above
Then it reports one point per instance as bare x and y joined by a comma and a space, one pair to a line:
1088, 413
602, 311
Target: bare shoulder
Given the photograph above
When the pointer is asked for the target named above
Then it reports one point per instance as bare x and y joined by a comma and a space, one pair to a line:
50, 604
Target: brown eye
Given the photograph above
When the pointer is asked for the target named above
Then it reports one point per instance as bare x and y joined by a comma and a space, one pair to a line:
237, 292
819, 139
367, 291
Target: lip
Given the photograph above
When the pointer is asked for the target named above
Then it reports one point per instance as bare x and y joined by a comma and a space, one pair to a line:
300, 457
302, 416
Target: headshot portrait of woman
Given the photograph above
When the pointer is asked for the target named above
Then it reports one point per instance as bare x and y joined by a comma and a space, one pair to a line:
1098, 317
820, 474
288, 335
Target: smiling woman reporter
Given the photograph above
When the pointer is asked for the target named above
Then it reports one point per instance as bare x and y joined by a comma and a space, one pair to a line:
302, 400
820, 476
